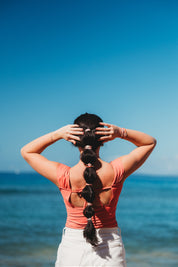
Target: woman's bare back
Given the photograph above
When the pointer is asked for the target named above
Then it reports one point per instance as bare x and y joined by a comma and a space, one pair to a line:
102, 185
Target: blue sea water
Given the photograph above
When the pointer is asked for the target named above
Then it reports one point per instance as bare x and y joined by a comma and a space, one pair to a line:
33, 215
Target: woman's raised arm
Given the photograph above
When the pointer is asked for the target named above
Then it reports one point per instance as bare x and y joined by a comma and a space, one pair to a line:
32, 151
144, 142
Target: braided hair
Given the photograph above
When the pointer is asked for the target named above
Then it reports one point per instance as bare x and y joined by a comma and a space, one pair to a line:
89, 142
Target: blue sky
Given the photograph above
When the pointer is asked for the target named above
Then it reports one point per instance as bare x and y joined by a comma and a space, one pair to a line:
117, 59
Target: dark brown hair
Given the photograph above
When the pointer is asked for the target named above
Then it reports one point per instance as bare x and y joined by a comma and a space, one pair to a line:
89, 122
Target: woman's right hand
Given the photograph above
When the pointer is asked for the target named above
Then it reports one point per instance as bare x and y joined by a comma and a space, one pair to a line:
109, 133
70, 133
32, 151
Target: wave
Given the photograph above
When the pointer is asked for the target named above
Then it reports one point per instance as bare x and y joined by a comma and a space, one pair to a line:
27, 191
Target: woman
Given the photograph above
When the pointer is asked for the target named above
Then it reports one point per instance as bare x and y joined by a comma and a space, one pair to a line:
90, 189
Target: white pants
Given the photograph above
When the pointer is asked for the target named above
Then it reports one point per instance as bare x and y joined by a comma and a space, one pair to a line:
75, 251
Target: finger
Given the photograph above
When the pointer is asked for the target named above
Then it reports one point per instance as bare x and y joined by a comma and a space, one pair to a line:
105, 124
103, 132
108, 137
102, 129
72, 141
77, 132
74, 137
107, 132
76, 126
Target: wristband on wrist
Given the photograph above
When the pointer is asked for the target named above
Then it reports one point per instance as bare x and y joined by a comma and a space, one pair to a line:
123, 133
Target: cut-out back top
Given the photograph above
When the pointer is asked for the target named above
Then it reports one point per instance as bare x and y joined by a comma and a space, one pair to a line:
104, 214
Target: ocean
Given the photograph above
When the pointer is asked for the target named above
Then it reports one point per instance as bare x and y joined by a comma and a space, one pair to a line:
32, 217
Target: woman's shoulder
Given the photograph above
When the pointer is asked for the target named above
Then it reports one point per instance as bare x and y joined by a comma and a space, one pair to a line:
118, 168
76, 176
62, 168
106, 166
116, 163
63, 175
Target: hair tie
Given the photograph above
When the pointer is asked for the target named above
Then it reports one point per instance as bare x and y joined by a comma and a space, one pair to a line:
89, 184
87, 130
88, 147
89, 204
89, 165
88, 219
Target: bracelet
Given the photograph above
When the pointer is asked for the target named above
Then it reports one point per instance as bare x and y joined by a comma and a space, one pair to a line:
123, 133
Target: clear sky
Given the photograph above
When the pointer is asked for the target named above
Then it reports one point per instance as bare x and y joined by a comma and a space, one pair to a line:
117, 59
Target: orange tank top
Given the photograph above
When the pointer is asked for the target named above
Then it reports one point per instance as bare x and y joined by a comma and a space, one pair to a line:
104, 214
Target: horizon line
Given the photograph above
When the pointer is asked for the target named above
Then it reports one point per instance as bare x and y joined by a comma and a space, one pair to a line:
133, 174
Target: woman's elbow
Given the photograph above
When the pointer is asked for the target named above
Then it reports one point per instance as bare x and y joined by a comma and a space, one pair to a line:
154, 142
23, 153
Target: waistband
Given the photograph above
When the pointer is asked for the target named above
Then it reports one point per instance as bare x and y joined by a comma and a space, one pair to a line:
100, 231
